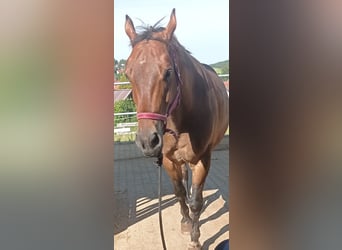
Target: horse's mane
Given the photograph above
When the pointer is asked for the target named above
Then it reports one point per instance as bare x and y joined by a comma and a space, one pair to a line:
148, 33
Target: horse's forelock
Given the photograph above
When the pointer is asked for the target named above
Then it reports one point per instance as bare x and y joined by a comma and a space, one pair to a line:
151, 33
147, 32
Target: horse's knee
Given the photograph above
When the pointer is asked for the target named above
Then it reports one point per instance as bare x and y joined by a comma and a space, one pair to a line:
179, 190
196, 201
196, 205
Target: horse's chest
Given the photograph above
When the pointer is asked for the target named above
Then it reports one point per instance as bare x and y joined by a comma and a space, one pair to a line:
179, 150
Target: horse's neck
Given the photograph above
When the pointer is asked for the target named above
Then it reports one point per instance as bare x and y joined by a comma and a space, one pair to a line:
189, 72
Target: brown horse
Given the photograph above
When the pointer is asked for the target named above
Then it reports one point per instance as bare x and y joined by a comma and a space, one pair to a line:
182, 109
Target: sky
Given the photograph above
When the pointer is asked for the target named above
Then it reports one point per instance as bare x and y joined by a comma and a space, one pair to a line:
202, 25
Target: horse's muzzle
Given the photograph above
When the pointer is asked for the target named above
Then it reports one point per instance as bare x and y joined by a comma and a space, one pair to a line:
150, 143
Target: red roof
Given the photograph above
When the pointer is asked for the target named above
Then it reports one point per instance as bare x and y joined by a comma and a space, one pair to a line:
226, 84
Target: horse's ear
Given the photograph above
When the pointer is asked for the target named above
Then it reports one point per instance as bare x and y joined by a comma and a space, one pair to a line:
171, 26
129, 28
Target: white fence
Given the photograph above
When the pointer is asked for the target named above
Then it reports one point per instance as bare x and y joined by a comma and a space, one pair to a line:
125, 123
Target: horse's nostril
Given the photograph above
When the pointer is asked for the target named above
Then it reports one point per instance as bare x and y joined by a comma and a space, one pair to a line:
154, 140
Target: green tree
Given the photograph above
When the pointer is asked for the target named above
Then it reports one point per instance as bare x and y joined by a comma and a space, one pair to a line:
225, 69
124, 106
122, 62
125, 86
122, 78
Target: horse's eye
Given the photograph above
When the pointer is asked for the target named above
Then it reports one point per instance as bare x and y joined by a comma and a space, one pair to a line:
167, 74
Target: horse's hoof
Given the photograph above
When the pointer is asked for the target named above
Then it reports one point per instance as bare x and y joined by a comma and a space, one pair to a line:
186, 228
194, 246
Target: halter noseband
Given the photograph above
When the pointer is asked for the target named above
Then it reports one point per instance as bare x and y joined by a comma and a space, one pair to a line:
152, 116
172, 105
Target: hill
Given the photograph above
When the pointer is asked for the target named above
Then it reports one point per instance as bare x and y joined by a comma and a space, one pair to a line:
221, 67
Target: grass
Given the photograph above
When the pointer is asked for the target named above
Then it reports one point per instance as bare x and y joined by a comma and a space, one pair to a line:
124, 137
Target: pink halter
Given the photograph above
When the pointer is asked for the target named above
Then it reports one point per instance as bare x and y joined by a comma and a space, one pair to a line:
152, 116
171, 106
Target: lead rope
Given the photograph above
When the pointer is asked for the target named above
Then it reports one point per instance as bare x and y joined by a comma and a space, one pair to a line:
159, 162
159, 165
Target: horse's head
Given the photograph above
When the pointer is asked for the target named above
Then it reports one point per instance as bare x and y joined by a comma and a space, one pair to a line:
149, 68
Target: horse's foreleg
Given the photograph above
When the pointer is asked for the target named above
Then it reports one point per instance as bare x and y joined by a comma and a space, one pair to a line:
185, 178
175, 174
199, 174
196, 204
186, 222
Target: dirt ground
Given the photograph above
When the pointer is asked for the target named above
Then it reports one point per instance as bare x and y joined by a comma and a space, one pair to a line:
136, 202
